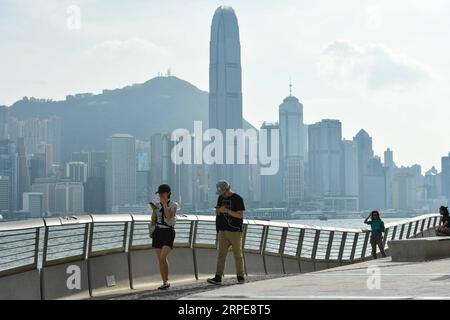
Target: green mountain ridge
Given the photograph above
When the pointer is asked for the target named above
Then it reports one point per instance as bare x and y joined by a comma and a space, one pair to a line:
161, 104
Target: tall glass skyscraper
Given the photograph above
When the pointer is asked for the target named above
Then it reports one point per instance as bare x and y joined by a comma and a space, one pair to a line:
225, 89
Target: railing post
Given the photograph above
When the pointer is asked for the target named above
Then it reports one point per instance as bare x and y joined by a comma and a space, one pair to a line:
329, 246
45, 246
193, 240
282, 246
386, 233
244, 237
422, 226
342, 247
409, 230
366, 241
130, 238
125, 231
415, 228
299, 248
85, 241
394, 232
401, 232
263, 246
36, 248
435, 221
428, 224
355, 242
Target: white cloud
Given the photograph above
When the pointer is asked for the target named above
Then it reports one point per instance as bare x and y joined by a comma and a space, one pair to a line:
128, 46
375, 66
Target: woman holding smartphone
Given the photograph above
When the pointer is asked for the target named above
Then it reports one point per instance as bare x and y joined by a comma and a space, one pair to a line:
163, 218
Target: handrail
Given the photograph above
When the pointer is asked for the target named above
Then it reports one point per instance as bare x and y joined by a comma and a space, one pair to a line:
92, 235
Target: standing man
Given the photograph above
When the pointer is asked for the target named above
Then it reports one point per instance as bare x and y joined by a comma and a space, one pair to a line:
229, 218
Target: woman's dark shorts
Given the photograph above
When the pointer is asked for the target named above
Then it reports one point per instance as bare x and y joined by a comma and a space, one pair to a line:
163, 237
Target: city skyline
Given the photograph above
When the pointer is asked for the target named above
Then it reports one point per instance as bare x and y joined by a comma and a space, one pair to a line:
414, 82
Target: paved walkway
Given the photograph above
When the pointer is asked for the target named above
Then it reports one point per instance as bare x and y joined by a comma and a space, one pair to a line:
421, 280
179, 291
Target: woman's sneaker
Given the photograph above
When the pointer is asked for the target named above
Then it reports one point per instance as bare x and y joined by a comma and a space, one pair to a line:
241, 280
215, 280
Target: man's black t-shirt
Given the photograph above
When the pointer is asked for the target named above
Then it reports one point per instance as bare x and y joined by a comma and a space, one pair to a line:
225, 222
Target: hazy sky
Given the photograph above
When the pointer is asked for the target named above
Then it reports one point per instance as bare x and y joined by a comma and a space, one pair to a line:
379, 65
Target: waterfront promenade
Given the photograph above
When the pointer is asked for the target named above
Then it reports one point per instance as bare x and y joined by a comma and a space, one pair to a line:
396, 280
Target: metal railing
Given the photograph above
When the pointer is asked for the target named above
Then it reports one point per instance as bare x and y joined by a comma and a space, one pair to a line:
38, 243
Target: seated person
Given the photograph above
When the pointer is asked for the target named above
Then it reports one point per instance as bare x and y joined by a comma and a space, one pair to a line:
444, 228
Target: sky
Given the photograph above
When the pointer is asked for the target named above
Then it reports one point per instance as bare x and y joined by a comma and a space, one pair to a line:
378, 65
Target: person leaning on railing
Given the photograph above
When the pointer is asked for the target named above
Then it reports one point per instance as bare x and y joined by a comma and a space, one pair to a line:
444, 228
376, 237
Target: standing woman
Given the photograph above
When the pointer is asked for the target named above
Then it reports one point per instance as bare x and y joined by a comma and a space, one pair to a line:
163, 218
376, 237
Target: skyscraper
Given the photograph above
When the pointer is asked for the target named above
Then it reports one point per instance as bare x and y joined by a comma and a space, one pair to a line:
161, 166
365, 155
446, 176
225, 88
77, 171
324, 141
350, 178
69, 197
271, 185
9, 165
120, 171
292, 149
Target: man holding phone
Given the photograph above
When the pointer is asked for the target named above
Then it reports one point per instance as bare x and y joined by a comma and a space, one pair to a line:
229, 219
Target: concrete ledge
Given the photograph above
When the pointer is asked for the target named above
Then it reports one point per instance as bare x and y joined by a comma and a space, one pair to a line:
108, 273
419, 249
144, 267
65, 281
21, 286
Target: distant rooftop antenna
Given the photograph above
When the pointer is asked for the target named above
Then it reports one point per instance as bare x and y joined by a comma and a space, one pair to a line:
290, 87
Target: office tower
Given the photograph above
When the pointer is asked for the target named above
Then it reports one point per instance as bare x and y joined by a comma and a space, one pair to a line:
52, 135
365, 155
389, 166
24, 172
374, 185
9, 167
33, 202
77, 171
94, 188
94, 195
225, 91
272, 185
162, 168
46, 186
47, 149
120, 171
143, 192
69, 198
97, 164
445, 179
324, 141
4, 193
81, 156
37, 167
404, 195
4, 118
32, 135
431, 184
143, 155
292, 149
350, 178
292, 128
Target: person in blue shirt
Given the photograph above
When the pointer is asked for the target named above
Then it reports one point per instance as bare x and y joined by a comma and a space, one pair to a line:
376, 236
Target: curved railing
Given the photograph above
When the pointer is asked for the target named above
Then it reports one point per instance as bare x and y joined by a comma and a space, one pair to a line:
269, 247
